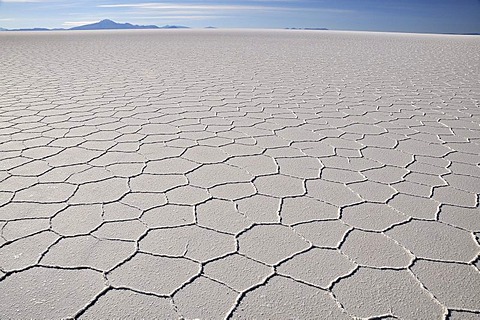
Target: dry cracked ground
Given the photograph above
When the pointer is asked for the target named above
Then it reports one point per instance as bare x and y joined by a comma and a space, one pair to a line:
239, 174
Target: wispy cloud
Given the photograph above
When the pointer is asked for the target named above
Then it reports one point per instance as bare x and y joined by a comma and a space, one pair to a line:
282, 1
217, 9
23, 1
172, 18
171, 6
77, 23
220, 7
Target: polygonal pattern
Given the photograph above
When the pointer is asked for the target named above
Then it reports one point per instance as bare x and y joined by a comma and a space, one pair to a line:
285, 298
75, 220
204, 299
372, 216
271, 243
296, 210
221, 215
160, 275
436, 240
279, 186
88, 251
375, 250
130, 304
238, 272
306, 267
53, 292
459, 291
368, 292
191, 241
159, 175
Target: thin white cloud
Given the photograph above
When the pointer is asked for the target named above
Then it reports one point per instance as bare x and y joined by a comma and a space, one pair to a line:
170, 6
77, 23
170, 18
171, 12
23, 1
275, 1
220, 7
331, 10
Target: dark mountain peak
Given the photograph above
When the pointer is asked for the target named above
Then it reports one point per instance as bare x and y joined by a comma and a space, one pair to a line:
110, 24
105, 24
167, 26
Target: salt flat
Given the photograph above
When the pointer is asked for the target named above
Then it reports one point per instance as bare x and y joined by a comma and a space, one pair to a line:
239, 174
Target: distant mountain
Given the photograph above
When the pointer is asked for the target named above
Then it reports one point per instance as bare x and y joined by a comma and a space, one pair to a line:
109, 24
173, 27
466, 34
306, 28
28, 29
103, 25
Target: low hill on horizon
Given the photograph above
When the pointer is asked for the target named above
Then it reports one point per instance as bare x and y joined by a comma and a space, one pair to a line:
105, 24
324, 29
110, 24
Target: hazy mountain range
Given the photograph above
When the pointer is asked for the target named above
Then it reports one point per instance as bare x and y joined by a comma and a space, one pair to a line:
306, 28
103, 25
107, 24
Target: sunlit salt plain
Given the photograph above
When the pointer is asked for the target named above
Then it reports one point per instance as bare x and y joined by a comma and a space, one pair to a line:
239, 174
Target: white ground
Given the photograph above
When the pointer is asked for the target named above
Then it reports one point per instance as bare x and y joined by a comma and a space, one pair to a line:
243, 174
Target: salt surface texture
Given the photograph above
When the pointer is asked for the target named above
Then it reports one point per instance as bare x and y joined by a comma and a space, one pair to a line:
244, 174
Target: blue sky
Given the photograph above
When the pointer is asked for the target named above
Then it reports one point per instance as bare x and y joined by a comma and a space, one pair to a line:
450, 16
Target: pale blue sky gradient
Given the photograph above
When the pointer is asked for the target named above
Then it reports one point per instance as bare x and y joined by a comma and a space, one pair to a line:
442, 16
